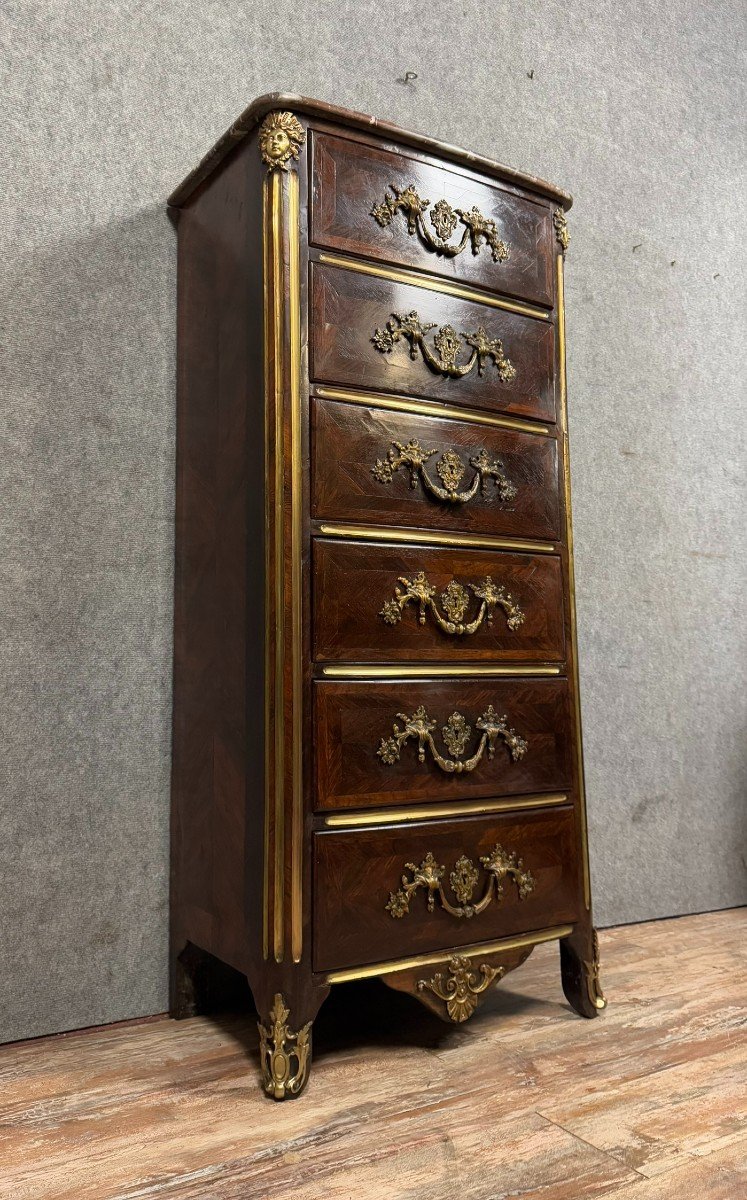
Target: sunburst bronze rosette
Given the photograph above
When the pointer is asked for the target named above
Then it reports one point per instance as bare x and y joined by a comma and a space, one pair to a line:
281, 136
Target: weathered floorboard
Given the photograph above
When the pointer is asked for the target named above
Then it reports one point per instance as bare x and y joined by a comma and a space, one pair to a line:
645, 1103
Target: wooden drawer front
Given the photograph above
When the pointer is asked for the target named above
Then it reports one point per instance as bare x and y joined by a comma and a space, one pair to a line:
351, 180
357, 874
356, 720
348, 308
375, 603
348, 441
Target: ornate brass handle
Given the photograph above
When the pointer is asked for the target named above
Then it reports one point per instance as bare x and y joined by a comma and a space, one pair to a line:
456, 733
448, 345
449, 468
444, 219
499, 865
454, 599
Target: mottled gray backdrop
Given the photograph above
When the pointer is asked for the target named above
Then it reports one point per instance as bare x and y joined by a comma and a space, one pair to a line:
637, 109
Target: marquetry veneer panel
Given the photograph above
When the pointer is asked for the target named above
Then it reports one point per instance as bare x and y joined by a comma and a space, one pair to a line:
377, 754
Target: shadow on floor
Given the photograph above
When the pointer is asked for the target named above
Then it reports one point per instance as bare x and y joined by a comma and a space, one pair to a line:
367, 1013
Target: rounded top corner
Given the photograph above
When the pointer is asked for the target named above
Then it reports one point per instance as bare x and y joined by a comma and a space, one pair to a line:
303, 106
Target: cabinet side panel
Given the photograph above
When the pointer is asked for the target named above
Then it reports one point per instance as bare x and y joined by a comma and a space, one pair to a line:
219, 604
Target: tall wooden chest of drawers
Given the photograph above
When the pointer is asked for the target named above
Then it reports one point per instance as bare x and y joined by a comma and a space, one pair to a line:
377, 742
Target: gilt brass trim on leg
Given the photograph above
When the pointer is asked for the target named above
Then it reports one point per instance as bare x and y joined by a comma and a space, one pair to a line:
579, 970
268, 659
591, 975
278, 709
284, 1055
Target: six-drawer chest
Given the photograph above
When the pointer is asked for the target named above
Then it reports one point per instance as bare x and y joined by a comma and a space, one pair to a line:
377, 741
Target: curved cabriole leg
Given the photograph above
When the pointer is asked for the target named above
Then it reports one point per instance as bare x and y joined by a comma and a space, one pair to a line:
579, 967
285, 1054
287, 1004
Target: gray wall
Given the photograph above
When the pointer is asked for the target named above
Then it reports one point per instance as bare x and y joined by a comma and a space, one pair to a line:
635, 108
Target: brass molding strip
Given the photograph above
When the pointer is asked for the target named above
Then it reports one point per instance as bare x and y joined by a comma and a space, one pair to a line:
377, 533
429, 812
275, 229
424, 409
266, 269
431, 284
425, 960
408, 671
294, 303
275, 711
571, 578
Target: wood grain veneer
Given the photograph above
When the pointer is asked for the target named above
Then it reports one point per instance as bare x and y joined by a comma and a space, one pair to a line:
351, 177
320, 467
648, 1104
349, 307
347, 440
353, 581
355, 872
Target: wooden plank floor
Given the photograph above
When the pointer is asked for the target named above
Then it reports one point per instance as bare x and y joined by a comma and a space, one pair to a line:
526, 1100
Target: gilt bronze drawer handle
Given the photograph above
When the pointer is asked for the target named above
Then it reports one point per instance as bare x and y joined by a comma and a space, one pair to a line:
460, 989
444, 219
449, 468
448, 344
456, 733
454, 600
499, 865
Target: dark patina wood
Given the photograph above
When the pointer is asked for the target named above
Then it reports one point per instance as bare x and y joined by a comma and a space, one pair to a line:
333, 118
217, 754
351, 179
352, 719
356, 617
349, 307
315, 476
348, 440
355, 872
